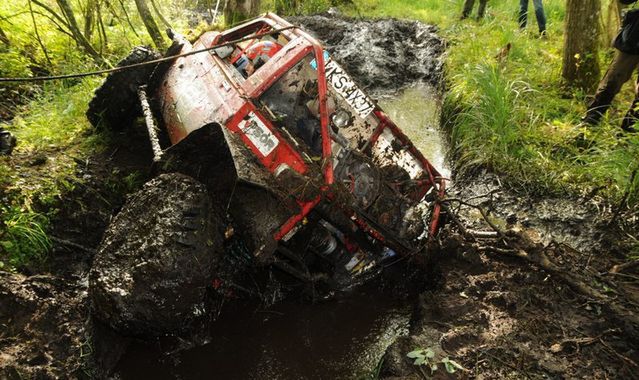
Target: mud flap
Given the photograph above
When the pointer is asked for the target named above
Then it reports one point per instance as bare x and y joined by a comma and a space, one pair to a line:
203, 155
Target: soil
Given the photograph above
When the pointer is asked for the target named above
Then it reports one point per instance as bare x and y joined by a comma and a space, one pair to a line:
47, 331
501, 317
497, 316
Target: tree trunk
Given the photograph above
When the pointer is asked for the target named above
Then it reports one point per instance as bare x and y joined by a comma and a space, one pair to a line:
611, 22
239, 10
37, 34
581, 44
150, 24
159, 14
89, 18
79, 38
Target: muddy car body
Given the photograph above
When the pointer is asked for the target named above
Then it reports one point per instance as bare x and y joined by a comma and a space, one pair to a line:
256, 115
331, 206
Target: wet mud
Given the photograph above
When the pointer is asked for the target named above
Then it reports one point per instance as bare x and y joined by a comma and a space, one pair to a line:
382, 55
294, 339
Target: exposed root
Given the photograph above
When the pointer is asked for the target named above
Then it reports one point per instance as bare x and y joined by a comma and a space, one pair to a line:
623, 267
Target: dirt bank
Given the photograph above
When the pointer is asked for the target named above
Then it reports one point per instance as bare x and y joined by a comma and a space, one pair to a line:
47, 331
502, 317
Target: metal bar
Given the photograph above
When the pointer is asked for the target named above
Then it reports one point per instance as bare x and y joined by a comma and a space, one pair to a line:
150, 124
326, 137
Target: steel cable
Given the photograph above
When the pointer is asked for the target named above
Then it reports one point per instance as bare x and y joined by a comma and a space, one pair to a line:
155, 61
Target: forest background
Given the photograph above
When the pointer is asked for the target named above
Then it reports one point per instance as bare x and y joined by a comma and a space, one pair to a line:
512, 105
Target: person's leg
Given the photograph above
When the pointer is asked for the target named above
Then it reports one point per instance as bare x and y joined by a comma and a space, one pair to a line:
618, 73
540, 15
630, 120
482, 8
632, 116
468, 7
523, 13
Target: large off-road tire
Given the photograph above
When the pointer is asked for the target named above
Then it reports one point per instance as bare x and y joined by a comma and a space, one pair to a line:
157, 259
115, 103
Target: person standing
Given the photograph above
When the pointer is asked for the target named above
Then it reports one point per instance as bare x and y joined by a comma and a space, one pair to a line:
468, 8
623, 64
539, 14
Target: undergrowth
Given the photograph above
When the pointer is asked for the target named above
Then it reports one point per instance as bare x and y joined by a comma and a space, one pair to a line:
48, 118
23, 237
53, 135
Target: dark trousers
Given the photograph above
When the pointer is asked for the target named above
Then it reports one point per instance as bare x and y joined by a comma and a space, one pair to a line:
468, 8
539, 14
618, 73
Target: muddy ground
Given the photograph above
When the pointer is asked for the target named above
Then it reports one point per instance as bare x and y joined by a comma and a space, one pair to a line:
496, 315
503, 317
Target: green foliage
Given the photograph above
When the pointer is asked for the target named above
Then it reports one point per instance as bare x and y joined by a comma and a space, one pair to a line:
126, 184
298, 7
23, 238
488, 129
56, 118
426, 357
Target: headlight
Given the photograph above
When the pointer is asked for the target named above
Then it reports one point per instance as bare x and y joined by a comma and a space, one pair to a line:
342, 119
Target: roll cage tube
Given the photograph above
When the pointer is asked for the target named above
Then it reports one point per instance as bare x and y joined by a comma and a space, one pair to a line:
327, 153
327, 166
322, 86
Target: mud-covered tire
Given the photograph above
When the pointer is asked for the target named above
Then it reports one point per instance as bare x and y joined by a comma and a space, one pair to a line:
115, 103
157, 260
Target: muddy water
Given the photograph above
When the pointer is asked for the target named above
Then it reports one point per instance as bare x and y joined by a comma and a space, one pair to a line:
339, 339
416, 110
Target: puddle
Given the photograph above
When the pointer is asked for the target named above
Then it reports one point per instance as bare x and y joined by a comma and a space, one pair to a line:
416, 110
340, 339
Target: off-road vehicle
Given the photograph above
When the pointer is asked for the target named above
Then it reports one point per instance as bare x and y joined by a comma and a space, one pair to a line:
310, 174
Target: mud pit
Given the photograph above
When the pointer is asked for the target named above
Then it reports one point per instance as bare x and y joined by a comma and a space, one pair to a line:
497, 316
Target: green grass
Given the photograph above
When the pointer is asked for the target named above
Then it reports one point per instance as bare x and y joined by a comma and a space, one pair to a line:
53, 134
23, 238
50, 124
